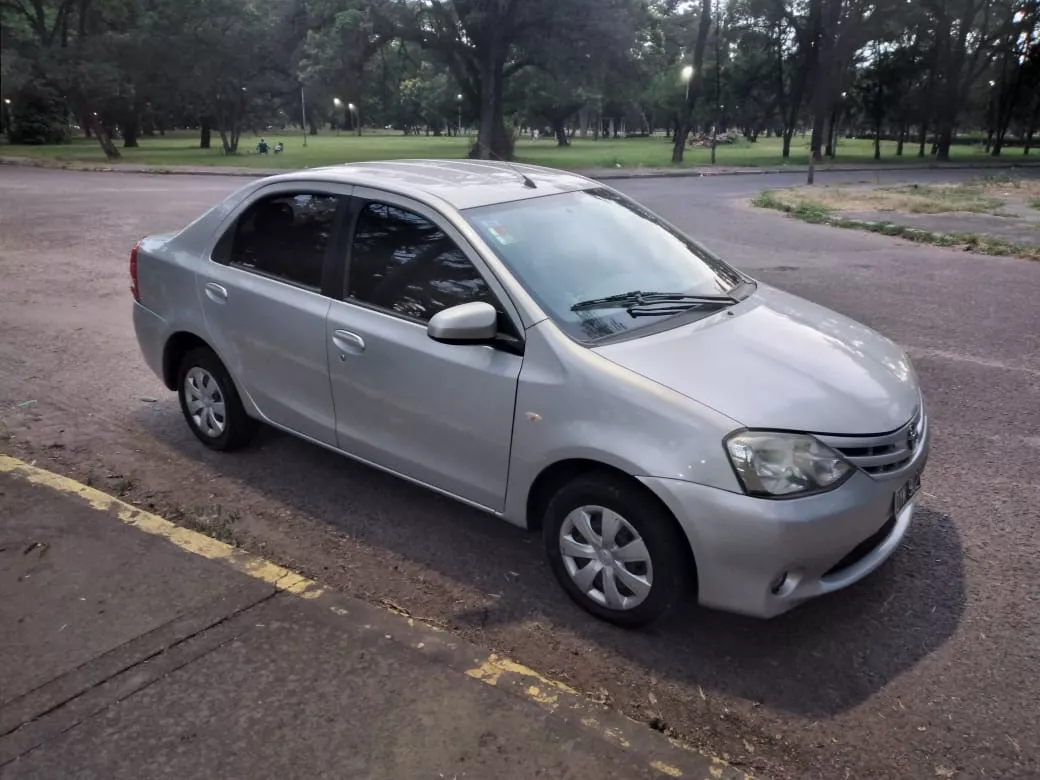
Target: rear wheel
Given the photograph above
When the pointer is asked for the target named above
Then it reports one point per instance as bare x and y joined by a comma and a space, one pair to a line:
615, 550
210, 402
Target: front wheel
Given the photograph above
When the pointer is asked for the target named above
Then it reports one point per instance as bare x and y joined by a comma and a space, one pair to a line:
615, 550
210, 402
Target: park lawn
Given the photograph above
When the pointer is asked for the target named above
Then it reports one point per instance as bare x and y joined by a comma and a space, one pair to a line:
181, 148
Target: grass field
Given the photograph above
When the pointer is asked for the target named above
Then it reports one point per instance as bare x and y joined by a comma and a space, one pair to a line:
181, 148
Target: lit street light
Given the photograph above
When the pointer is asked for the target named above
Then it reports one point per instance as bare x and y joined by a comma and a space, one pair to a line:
337, 102
687, 76
458, 99
357, 116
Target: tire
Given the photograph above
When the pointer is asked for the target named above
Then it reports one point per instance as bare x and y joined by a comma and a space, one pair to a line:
667, 571
229, 427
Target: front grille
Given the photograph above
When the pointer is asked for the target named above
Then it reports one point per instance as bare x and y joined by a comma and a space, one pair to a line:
883, 453
863, 549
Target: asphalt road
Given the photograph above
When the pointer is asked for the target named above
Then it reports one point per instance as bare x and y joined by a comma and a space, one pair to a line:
926, 669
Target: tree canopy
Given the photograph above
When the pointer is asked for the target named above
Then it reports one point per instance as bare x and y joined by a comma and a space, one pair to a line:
919, 72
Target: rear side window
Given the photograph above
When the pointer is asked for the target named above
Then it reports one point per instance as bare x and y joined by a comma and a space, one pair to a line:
284, 236
404, 263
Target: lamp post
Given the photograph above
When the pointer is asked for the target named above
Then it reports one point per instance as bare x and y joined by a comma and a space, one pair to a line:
338, 104
687, 76
7, 114
303, 115
458, 99
357, 116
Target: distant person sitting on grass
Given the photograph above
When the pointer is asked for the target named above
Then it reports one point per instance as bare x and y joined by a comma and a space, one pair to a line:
279, 147
261, 148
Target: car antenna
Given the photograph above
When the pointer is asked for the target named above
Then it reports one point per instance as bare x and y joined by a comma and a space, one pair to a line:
528, 182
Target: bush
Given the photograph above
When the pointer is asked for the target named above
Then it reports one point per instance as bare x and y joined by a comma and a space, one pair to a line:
37, 118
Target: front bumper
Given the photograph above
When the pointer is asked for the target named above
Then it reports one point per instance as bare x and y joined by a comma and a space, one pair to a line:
762, 557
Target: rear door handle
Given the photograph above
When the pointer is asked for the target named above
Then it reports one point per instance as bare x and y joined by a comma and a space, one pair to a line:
348, 343
216, 292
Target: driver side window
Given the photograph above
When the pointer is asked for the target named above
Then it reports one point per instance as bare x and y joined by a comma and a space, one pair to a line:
404, 263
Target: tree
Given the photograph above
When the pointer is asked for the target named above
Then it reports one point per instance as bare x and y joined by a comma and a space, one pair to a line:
695, 83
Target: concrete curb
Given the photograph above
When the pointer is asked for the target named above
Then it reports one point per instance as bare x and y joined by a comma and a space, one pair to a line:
602, 174
667, 756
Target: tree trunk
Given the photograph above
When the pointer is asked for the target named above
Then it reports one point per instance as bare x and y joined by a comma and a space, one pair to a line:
1032, 128
105, 139
693, 88
788, 132
205, 139
492, 143
945, 140
130, 130
561, 133
922, 138
902, 140
878, 117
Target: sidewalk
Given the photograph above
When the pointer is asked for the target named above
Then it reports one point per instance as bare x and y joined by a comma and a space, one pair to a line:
602, 174
136, 649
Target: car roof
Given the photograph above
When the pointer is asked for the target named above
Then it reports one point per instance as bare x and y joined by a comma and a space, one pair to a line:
461, 183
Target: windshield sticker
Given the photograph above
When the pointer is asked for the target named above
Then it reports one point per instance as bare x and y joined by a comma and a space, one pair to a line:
498, 232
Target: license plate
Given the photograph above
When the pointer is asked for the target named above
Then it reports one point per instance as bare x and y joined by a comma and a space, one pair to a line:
905, 492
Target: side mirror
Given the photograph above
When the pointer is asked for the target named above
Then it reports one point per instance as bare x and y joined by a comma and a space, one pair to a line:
467, 323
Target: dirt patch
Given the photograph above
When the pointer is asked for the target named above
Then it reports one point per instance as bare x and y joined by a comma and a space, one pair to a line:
990, 195
993, 215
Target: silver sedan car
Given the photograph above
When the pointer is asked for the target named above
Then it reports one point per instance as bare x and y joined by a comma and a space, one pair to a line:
537, 345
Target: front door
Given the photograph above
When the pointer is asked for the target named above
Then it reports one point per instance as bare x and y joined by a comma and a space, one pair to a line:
265, 307
438, 413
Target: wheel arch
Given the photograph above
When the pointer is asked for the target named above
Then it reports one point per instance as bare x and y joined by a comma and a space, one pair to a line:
177, 346
556, 475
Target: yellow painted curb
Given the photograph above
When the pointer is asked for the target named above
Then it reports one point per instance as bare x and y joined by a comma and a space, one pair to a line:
494, 670
192, 541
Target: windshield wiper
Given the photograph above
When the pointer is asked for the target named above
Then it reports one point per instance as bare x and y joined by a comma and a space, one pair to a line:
640, 298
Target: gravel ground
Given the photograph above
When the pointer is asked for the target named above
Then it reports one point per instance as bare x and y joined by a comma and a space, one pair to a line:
926, 669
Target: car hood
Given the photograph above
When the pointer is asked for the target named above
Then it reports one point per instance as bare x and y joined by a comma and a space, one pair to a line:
778, 361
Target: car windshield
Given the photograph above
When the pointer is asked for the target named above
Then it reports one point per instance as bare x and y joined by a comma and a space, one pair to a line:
601, 265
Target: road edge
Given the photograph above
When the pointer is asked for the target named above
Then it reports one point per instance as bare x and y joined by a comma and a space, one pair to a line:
601, 174
667, 756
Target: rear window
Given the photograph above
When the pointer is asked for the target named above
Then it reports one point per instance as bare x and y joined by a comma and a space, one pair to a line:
284, 236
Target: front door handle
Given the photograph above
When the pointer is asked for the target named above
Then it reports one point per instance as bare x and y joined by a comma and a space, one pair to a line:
216, 292
348, 343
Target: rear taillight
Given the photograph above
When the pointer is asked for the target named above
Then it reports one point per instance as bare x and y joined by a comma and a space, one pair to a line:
134, 289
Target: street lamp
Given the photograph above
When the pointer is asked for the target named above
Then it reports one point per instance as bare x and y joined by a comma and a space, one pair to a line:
458, 99
338, 104
687, 76
357, 116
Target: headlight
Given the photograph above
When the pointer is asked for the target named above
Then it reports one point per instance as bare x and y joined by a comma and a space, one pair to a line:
784, 464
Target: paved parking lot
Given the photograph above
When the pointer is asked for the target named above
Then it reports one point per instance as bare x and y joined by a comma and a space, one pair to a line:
926, 669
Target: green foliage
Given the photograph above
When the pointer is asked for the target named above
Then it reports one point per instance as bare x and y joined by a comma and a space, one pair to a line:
886, 68
38, 117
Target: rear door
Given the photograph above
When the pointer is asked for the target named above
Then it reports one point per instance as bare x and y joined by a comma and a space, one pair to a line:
439, 413
265, 302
